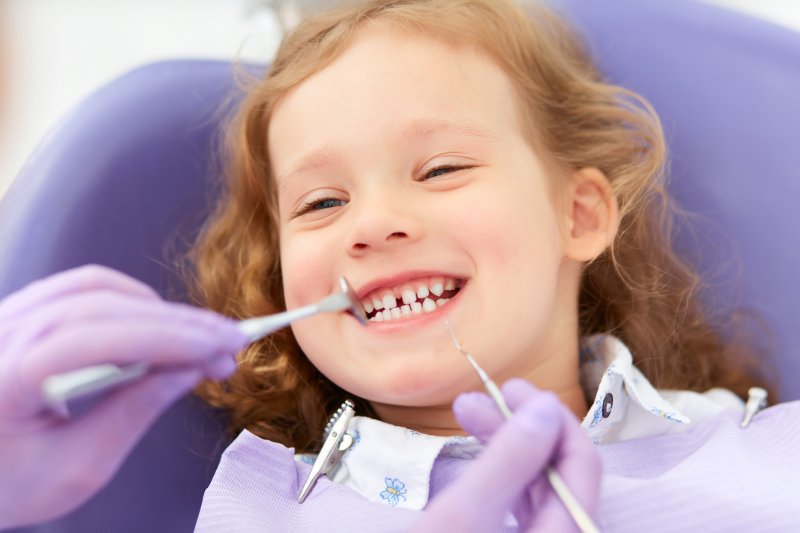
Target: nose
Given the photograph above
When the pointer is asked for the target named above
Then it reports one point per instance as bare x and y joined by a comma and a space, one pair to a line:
383, 223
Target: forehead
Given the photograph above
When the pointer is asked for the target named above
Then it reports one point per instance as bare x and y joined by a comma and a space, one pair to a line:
386, 84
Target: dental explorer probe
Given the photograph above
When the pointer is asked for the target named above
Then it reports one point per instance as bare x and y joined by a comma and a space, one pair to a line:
581, 517
71, 393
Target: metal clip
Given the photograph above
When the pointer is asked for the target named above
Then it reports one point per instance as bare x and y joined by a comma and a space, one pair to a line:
756, 401
337, 441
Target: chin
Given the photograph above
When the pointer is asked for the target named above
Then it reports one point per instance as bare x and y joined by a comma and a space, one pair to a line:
410, 388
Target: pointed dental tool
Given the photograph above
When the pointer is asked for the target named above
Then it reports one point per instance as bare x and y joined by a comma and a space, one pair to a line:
578, 514
491, 386
71, 393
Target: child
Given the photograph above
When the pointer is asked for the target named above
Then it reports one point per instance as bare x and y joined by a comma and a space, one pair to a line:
454, 159
463, 160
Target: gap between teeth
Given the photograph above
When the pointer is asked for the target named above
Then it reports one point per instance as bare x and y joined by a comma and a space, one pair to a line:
415, 308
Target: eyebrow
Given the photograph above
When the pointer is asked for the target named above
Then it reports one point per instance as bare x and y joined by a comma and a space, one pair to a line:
419, 129
316, 159
414, 130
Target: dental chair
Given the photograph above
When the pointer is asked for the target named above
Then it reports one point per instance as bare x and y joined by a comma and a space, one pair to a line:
127, 179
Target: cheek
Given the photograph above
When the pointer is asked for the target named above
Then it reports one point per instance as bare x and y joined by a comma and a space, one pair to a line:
304, 272
306, 281
511, 231
513, 241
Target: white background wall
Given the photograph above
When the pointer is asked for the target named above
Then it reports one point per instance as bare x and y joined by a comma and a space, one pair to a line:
63, 50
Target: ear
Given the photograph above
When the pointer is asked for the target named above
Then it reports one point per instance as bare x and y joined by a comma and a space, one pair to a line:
591, 215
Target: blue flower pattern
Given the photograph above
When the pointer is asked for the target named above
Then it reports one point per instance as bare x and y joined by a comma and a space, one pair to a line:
598, 413
395, 489
669, 415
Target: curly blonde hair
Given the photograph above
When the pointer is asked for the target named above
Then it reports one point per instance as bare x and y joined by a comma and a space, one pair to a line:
639, 289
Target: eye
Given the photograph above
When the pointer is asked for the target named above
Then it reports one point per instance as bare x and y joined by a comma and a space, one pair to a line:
442, 170
318, 205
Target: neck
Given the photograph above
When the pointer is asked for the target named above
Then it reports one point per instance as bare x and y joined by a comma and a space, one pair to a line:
431, 420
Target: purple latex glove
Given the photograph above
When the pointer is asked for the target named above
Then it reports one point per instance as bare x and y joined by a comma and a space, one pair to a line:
510, 475
81, 317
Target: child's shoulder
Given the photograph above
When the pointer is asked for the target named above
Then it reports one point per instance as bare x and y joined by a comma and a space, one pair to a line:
773, 435
699, 472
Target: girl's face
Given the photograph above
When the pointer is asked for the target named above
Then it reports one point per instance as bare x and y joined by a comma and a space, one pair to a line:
403, 167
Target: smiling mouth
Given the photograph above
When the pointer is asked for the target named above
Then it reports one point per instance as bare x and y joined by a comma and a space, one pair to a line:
410, 299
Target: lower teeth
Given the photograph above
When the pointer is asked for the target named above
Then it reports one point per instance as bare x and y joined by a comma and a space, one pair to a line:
416, 308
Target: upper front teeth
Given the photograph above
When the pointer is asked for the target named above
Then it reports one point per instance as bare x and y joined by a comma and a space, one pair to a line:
409, 296
422, 291
415, 297
437, 286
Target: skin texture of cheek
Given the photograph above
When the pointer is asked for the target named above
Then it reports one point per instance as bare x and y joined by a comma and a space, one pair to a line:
306, 278
518, 269
308, 269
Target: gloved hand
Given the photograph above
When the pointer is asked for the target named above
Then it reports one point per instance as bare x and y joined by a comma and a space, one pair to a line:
87, 316
509, 475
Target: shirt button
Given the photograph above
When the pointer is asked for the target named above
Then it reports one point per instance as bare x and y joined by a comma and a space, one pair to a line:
608, 403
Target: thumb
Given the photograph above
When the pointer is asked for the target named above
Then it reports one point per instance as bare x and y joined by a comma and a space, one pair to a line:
515, 456
477, 414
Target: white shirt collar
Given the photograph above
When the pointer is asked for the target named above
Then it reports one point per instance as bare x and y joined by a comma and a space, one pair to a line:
607, 367
391, 465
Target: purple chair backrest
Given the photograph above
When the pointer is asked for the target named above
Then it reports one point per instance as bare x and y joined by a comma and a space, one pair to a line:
131, 171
